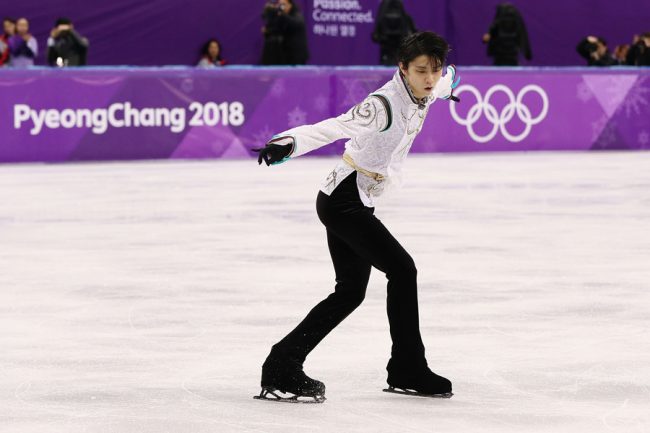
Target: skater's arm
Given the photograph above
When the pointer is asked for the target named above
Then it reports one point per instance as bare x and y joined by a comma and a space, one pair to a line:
370, 116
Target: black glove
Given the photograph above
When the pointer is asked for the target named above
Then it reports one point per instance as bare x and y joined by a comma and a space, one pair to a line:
274, 153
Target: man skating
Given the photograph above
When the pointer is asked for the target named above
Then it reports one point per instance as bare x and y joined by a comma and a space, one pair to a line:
381, 130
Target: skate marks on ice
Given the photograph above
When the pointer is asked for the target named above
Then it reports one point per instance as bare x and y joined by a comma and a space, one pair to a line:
143, 297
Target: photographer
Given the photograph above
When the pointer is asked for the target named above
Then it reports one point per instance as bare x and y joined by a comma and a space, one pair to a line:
66, 47
285, 35
507, 37
594, 50
639, 52
393, 24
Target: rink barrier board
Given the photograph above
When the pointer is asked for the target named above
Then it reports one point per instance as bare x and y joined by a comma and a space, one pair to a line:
106, 114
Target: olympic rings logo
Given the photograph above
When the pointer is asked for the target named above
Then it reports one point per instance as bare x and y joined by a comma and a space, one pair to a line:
499, 120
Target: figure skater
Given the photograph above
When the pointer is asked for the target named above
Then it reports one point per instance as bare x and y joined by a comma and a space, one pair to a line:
381, 130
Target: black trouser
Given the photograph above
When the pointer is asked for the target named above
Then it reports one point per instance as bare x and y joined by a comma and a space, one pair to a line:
357, 241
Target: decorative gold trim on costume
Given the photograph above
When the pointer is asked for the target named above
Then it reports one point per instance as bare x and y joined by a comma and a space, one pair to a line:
349, 161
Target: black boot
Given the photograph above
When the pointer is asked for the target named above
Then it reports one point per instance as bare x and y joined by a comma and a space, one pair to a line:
416, 379
285, 374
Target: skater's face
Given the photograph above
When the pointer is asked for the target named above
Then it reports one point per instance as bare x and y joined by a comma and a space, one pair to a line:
422, 74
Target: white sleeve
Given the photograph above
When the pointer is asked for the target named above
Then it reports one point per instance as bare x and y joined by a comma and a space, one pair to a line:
370, 116
33, 45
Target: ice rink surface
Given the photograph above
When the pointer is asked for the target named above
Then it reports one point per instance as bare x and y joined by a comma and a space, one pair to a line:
144, 297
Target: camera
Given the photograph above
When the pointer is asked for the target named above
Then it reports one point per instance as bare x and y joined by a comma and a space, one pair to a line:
591, 47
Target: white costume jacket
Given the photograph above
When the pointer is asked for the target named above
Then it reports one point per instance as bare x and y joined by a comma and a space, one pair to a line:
381, 130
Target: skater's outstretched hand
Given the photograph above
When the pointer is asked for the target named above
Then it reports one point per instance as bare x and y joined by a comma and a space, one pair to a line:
275, 152
445, 87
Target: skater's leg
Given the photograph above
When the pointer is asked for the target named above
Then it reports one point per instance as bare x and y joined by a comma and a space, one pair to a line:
344, 214
283, 367
370, 239
352, 274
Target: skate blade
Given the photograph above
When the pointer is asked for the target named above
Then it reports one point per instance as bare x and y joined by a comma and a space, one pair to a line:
394, 390
271, 394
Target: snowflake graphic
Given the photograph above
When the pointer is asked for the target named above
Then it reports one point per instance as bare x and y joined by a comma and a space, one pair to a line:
636, 98
357, 89
320, 103
261, 137
597, 127
644, 139
278, 89
354, 92
296, 117
584, 92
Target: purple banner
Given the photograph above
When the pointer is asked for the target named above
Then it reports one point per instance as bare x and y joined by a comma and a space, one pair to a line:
117, 114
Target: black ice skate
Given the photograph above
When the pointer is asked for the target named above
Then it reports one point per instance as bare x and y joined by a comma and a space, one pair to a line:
421, 382
283, 380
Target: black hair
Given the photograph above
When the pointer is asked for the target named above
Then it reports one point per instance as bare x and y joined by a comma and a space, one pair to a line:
10, 19
62, 21
206, 46
429, 44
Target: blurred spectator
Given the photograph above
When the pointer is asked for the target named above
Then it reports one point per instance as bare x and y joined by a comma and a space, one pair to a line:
392, 25
507, 37
8, 30
639, 53
620, 53
272, 52
594, 50
211, 55
66, 47
285, 35
23, 47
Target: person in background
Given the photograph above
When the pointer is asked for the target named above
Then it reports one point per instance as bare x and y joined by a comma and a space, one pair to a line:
285, 34
393, 24
211, 55
639, 53
507, 37
620, 53
66, 47
8, 30
272, 51
594, 50
23, 47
